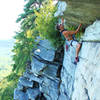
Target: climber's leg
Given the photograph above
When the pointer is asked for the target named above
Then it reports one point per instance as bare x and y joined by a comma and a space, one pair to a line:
77, 52
78, 49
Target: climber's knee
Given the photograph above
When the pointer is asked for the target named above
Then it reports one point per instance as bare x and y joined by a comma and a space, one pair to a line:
78, 45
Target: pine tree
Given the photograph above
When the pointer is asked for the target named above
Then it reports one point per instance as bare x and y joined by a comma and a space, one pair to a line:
25, 38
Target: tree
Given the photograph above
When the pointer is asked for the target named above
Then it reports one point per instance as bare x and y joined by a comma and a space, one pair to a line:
46, 22
25, 38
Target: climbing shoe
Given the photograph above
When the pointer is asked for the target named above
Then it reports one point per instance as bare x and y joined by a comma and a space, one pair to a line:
76, 60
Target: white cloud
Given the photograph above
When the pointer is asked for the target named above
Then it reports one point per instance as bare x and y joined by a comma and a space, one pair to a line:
9, 11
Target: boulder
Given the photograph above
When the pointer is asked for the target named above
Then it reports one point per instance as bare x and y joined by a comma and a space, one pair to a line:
68, 73
20, 86
44, 53
25, 82
32, 77
37, 66
46, 44
50, 88
50, 71
19, 95
33, 93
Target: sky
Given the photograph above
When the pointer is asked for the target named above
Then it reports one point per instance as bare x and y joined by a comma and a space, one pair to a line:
9, 11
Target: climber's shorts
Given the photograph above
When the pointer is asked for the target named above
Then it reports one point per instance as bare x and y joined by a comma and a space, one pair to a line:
73, 43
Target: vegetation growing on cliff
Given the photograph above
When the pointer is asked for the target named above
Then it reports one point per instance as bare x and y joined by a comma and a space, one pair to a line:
25, 38
38, 20
7, 86
46, 22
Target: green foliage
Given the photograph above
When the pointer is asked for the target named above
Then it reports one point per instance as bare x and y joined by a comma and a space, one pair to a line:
7, 86
8, 93
41, 23
25, 38
45, 23
12, 76
28, 9
22, 49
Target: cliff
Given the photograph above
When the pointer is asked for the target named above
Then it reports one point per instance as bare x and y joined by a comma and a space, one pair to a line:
41, 79
86, 85
81, 82
53, 76
49, 79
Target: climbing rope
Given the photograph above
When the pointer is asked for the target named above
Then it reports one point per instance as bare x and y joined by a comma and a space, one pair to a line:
93, 41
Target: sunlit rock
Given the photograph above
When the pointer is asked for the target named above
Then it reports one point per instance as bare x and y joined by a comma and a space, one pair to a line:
61, 8
19, 95
86, 85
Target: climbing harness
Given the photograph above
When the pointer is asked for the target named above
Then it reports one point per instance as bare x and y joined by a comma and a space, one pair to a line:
70, 43
67, 44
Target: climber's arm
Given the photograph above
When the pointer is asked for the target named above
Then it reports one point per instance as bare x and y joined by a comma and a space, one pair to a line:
74, 32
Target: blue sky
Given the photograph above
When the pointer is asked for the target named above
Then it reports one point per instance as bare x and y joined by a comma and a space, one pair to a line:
9, 11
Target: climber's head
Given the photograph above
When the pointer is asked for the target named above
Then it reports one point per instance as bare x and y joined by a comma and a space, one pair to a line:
59, 27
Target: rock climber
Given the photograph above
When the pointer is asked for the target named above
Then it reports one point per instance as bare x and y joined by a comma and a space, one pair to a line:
69, 38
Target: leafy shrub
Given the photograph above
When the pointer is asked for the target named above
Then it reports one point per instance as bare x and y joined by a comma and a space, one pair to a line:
45, 23
25, 39
12, 76
41, 23
7, 86
8, 93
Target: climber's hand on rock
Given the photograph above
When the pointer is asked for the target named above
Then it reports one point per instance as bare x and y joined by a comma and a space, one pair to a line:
80, 25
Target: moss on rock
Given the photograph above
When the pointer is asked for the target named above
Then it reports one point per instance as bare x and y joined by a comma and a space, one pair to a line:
82, 11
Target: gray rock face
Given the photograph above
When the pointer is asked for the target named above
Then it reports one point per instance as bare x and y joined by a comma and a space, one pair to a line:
92, 33
87, 75
63, 97
41, 77
25, 82
46, 44
50, 71
62, 5
33, 93
67, 74
32, 77
50, 88
20, 86
37, 66
45, 53
81, 82
19, 95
